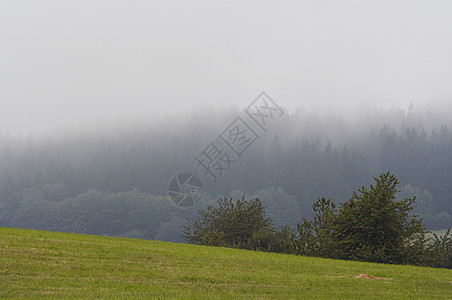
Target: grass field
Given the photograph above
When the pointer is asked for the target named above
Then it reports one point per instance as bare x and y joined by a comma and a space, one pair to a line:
50, 264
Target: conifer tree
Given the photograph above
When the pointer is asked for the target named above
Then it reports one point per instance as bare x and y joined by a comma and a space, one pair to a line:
373, 226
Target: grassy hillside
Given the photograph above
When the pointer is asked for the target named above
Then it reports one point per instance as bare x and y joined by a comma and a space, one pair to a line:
49, 264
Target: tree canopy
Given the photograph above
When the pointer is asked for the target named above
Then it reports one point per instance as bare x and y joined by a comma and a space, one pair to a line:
373, 226
232, 223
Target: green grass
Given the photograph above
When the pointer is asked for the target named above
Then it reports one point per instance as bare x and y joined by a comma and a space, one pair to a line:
50, 264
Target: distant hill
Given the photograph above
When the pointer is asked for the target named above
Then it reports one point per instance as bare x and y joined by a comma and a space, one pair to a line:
115, 181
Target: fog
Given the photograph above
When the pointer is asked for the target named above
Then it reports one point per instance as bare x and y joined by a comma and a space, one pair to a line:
65, 64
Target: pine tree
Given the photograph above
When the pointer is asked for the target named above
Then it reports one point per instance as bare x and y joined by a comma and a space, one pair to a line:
315, 238
373, 226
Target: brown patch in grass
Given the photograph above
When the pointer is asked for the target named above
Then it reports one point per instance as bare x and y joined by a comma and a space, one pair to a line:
365, 276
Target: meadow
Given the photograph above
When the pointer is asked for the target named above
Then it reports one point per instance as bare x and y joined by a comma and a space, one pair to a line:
52, 264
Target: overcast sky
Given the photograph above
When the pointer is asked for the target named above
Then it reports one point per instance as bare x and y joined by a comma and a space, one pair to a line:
65, 62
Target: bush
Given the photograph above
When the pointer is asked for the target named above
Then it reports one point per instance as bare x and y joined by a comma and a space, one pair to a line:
279, 241
232, 224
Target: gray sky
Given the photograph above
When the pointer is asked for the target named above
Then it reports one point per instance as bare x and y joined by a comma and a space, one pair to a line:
65, 62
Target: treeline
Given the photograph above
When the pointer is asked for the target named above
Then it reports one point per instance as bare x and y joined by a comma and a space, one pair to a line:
54, 181
371, 226
125, 214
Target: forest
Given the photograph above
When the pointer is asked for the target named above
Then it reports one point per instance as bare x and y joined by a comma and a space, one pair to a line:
113, 179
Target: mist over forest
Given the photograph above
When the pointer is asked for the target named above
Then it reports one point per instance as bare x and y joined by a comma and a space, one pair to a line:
113, 179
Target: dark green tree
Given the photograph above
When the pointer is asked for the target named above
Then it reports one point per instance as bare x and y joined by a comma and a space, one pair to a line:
231, 224
315, 238
373, 226
440, 251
